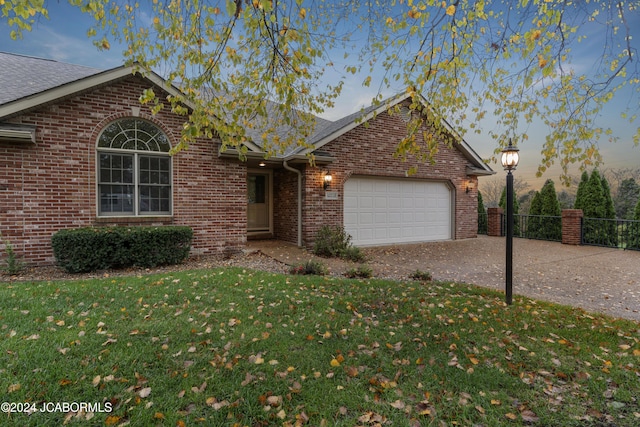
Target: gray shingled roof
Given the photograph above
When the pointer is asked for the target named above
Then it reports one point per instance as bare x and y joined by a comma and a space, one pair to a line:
22, 76
282, 129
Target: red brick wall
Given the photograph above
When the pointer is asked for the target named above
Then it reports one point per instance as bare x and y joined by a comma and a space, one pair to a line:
52, 185
368, 150
285, 205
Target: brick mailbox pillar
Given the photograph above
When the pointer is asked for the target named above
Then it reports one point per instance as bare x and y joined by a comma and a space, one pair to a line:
494, 221
572, 226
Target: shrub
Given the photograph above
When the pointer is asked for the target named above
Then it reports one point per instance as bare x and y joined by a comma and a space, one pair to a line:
310, 267
13, 264
362, 272
423, 276
336, 242
352, 253
89, 249
331, 241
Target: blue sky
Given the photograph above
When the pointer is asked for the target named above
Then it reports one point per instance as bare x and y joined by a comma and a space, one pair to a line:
63, 38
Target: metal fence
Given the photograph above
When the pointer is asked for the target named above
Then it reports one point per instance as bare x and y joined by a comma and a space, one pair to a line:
613, 233
483, 223
538, 227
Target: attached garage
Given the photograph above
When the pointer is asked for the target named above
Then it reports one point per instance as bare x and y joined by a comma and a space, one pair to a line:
380, 211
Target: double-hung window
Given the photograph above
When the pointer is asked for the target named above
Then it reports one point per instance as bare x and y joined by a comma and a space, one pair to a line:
134, 169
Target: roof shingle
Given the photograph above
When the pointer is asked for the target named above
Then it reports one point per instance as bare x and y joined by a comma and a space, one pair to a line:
22, 76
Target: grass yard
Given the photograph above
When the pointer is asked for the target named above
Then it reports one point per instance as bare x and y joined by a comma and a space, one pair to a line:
234, 347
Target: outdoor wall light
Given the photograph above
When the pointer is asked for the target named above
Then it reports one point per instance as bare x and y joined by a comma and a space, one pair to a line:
509, 160
327, 180
470, 186
262, 164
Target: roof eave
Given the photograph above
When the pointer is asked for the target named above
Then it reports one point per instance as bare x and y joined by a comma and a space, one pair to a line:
473, 171
234, 154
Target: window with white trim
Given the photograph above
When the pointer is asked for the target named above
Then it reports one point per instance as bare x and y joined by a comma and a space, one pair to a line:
134, 169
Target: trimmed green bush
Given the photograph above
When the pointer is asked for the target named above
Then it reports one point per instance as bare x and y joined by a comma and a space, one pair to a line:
83, 250
336, 242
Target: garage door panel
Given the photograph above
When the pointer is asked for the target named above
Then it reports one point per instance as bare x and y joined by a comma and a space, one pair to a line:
395, 218
383, 211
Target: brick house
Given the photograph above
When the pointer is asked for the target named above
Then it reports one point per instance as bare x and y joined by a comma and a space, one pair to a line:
77, 149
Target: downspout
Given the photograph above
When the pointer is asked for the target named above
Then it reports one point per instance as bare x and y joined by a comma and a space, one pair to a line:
289, 168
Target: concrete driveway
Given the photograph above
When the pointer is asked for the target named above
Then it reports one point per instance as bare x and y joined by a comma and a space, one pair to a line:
596, 279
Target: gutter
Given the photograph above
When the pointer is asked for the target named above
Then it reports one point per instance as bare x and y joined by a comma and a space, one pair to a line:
289, 168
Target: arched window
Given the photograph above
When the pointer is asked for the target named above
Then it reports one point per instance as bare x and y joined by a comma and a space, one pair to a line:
134, 169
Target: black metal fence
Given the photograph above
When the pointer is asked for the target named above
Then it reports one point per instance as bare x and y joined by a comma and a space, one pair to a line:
483, 223
613, 233
538, 227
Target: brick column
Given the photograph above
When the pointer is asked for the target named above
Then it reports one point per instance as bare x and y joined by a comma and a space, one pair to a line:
572, 226
494, 221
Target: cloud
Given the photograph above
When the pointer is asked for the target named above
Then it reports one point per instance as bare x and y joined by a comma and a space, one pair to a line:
74, 47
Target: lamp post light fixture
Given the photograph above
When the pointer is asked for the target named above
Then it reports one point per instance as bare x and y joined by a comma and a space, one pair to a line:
509, 161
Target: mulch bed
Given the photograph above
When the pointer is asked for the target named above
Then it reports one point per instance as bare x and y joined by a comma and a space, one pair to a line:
255, 260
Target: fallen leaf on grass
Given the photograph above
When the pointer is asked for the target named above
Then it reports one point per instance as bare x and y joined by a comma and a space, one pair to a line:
199, 389
248, 378
144, 392
212, 401
398, 404
529, 416
112, 420
351, 371
274, 400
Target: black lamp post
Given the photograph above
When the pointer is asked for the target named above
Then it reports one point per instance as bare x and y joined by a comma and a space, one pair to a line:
509, 161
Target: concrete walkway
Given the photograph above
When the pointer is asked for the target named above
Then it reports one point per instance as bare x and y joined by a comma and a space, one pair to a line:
596, 279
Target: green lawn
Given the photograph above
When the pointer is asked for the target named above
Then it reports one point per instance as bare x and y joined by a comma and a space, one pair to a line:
246, 348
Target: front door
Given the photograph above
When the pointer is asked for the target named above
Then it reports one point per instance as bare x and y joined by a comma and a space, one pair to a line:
258, 202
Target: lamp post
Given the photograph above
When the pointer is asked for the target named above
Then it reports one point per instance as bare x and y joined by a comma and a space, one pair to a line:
509, 161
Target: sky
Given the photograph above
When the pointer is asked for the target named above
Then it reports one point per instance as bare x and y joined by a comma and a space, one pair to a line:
63, 38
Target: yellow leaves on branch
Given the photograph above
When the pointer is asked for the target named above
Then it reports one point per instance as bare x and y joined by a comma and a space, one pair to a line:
535, 35
451, 10
542, 62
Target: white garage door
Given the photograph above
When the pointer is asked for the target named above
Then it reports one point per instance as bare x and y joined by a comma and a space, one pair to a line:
381, 211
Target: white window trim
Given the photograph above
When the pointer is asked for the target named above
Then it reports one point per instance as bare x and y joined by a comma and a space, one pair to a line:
136, 153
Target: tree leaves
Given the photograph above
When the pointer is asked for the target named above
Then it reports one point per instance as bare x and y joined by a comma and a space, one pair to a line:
255, 72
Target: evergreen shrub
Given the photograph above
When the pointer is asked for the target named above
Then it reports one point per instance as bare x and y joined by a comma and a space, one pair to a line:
83, 250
